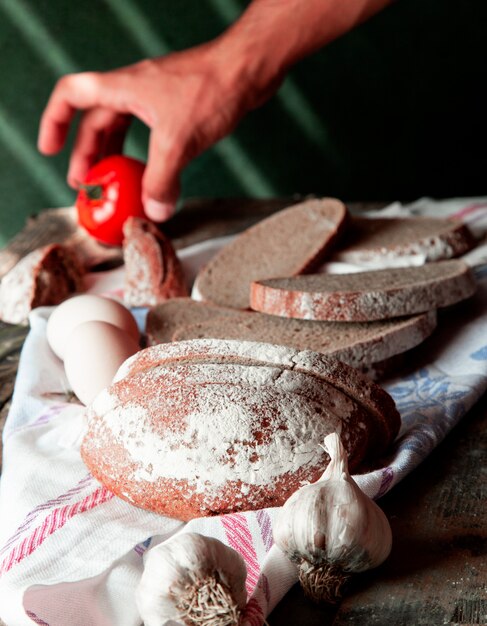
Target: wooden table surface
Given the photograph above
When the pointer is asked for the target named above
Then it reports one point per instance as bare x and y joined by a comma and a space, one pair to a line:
437, 571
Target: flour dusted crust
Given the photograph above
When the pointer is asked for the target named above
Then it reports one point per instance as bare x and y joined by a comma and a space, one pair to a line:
188, 448
381, 242
153, 272
45, 277
287, 243
187, 437
365, 296
384, 420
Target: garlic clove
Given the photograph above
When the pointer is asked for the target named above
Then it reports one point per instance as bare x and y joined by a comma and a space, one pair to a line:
192, 579
332, 529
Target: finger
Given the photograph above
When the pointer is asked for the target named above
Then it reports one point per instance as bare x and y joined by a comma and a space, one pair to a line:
74, 92
161, 185
115, 136
90, 141
65, 99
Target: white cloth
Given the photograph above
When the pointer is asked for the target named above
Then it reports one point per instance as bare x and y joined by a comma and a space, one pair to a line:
71, 553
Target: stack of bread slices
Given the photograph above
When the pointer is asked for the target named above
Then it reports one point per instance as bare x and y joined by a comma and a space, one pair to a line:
260, 287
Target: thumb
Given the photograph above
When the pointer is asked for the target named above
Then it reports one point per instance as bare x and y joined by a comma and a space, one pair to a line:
161, 185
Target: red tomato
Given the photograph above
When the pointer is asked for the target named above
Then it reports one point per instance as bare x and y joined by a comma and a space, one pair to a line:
110, 193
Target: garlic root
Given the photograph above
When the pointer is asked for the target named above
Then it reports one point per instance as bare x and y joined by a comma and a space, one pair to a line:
207, 602
322, 583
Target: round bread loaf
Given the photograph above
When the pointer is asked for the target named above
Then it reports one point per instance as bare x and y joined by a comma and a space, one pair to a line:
365, 296
191, 438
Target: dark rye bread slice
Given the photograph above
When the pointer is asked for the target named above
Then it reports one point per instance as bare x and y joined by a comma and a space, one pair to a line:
365, 296
395, 241
199, 439
385, 420
45, 277
355, 343
163, 320
287, 243
167, 318
153, 272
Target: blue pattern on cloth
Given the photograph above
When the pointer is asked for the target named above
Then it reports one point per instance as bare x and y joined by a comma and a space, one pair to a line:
480, 355
448, 376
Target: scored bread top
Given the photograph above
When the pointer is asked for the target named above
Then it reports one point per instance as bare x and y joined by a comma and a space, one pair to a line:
380, 242
365, 296
287, 243
350, 381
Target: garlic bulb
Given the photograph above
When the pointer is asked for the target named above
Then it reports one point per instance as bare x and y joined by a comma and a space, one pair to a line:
332, 529
192, 579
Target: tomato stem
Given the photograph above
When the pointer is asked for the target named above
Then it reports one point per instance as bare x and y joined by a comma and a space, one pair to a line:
94, 192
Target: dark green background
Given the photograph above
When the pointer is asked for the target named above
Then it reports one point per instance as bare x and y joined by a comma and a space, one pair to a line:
394, 110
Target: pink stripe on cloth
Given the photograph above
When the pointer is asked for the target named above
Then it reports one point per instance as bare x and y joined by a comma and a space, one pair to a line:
44, 418
36, 619
53, 522
239, 537
29, 519
31, 544
471, 208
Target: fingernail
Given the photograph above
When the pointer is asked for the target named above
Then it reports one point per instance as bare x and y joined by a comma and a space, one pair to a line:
158, 211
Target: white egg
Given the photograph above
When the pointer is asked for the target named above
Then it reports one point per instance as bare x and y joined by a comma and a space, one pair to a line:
86, 308
94, 352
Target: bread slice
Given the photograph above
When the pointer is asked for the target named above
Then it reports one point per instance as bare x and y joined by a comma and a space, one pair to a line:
167, 321
287, 243
355, 343
153, 272
365, 296
45, 277
375, 400
400, 241
163, 320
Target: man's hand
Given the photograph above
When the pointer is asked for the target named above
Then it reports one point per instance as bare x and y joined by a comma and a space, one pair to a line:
191, 99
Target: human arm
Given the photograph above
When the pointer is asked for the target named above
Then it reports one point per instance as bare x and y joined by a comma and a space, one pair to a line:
191, 99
